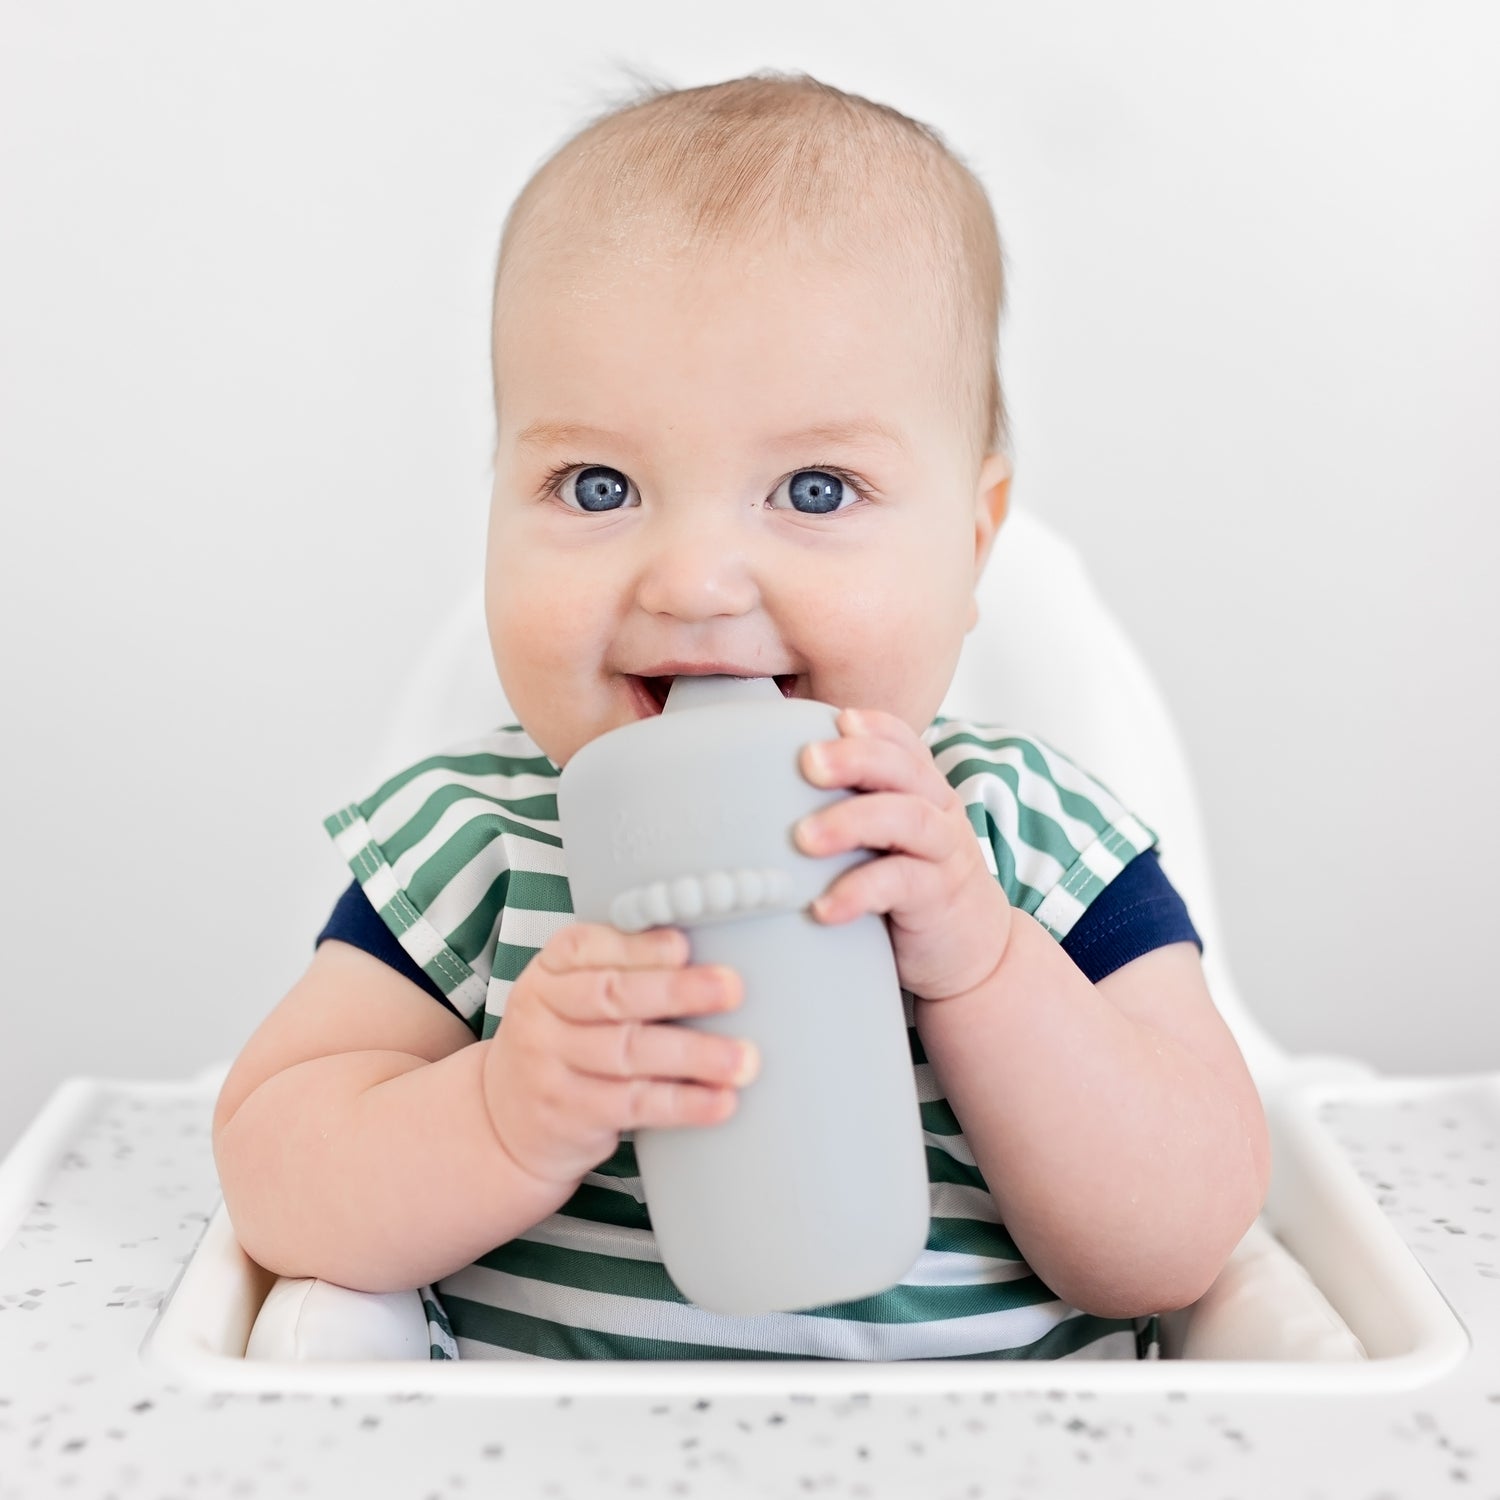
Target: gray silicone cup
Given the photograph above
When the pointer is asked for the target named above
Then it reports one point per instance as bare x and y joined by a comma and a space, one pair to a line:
814, 1192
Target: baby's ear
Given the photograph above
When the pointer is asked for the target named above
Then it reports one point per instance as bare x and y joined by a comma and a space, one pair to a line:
991, 498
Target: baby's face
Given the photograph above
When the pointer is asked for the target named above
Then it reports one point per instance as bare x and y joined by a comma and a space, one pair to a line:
696, 520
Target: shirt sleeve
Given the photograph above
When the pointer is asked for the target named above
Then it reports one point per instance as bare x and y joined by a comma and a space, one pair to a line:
428, 851
1137, 911
354, 921
1052, 834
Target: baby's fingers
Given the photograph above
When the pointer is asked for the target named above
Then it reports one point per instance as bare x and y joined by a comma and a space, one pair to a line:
587, 996
895, 883
659, 1052
595, 945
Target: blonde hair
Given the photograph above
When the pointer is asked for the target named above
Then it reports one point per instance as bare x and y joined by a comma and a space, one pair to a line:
773, 152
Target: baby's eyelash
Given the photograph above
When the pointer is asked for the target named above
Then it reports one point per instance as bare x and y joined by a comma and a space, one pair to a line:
553, 482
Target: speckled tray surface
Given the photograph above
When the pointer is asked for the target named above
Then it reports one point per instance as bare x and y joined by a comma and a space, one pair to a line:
121, 1184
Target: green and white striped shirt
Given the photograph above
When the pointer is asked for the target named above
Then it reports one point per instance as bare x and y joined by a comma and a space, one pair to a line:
461, 855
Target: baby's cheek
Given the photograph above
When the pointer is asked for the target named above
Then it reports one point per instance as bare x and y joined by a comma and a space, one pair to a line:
514, 619
541, 624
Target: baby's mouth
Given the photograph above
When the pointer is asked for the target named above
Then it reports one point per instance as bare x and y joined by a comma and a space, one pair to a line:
653, 690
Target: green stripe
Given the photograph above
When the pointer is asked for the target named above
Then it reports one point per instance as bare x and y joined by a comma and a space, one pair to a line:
943, 1168
510, 959
914, 1045
467, 842
599, 1205
972, 1237
1020, 895
532, 890
482, 763
620, 1162
541, 808
938, 1118
584, 1270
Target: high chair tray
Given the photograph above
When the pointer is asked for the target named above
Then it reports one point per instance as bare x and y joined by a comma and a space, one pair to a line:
1385, 1189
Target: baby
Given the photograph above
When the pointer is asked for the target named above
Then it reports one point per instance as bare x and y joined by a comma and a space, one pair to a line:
749, 422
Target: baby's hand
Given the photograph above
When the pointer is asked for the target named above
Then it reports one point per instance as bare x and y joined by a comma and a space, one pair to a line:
576, 1061
948, 917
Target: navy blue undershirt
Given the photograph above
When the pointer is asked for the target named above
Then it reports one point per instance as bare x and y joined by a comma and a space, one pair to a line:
1137, 911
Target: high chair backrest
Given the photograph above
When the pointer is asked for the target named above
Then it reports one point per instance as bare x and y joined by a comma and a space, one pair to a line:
1047, 657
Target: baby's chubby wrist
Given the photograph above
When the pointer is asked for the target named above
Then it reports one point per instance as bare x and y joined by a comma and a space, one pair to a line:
993, 924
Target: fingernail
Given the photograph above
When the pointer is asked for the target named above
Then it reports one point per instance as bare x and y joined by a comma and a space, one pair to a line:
852, 721
749, 1064
809, 835
817, 761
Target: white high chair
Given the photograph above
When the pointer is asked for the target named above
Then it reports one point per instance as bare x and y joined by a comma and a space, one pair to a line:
1321, 1280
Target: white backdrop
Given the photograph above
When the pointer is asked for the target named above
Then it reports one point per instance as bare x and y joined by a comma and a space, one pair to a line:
1252, 355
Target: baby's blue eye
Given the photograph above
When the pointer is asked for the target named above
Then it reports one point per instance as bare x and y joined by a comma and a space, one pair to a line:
815, 492
598, 488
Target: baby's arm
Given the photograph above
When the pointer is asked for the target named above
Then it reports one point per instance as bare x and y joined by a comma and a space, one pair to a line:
1116, 1124
393, 1166
377, 1168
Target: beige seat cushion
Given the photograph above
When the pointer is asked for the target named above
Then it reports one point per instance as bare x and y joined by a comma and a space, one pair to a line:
306, 1319
1264, 1305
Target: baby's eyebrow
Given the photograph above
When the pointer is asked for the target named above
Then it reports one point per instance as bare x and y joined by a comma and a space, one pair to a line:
849, 431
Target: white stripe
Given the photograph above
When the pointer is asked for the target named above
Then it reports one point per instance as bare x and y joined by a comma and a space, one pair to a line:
521, 928
498, 994
951, 1145
953, 1268
1099, 859
1059, 912
929, 1090
956, 1200
352, 838
422, 942
380, 885
468, 998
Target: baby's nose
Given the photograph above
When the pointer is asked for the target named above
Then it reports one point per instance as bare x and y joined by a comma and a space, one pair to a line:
695, 571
